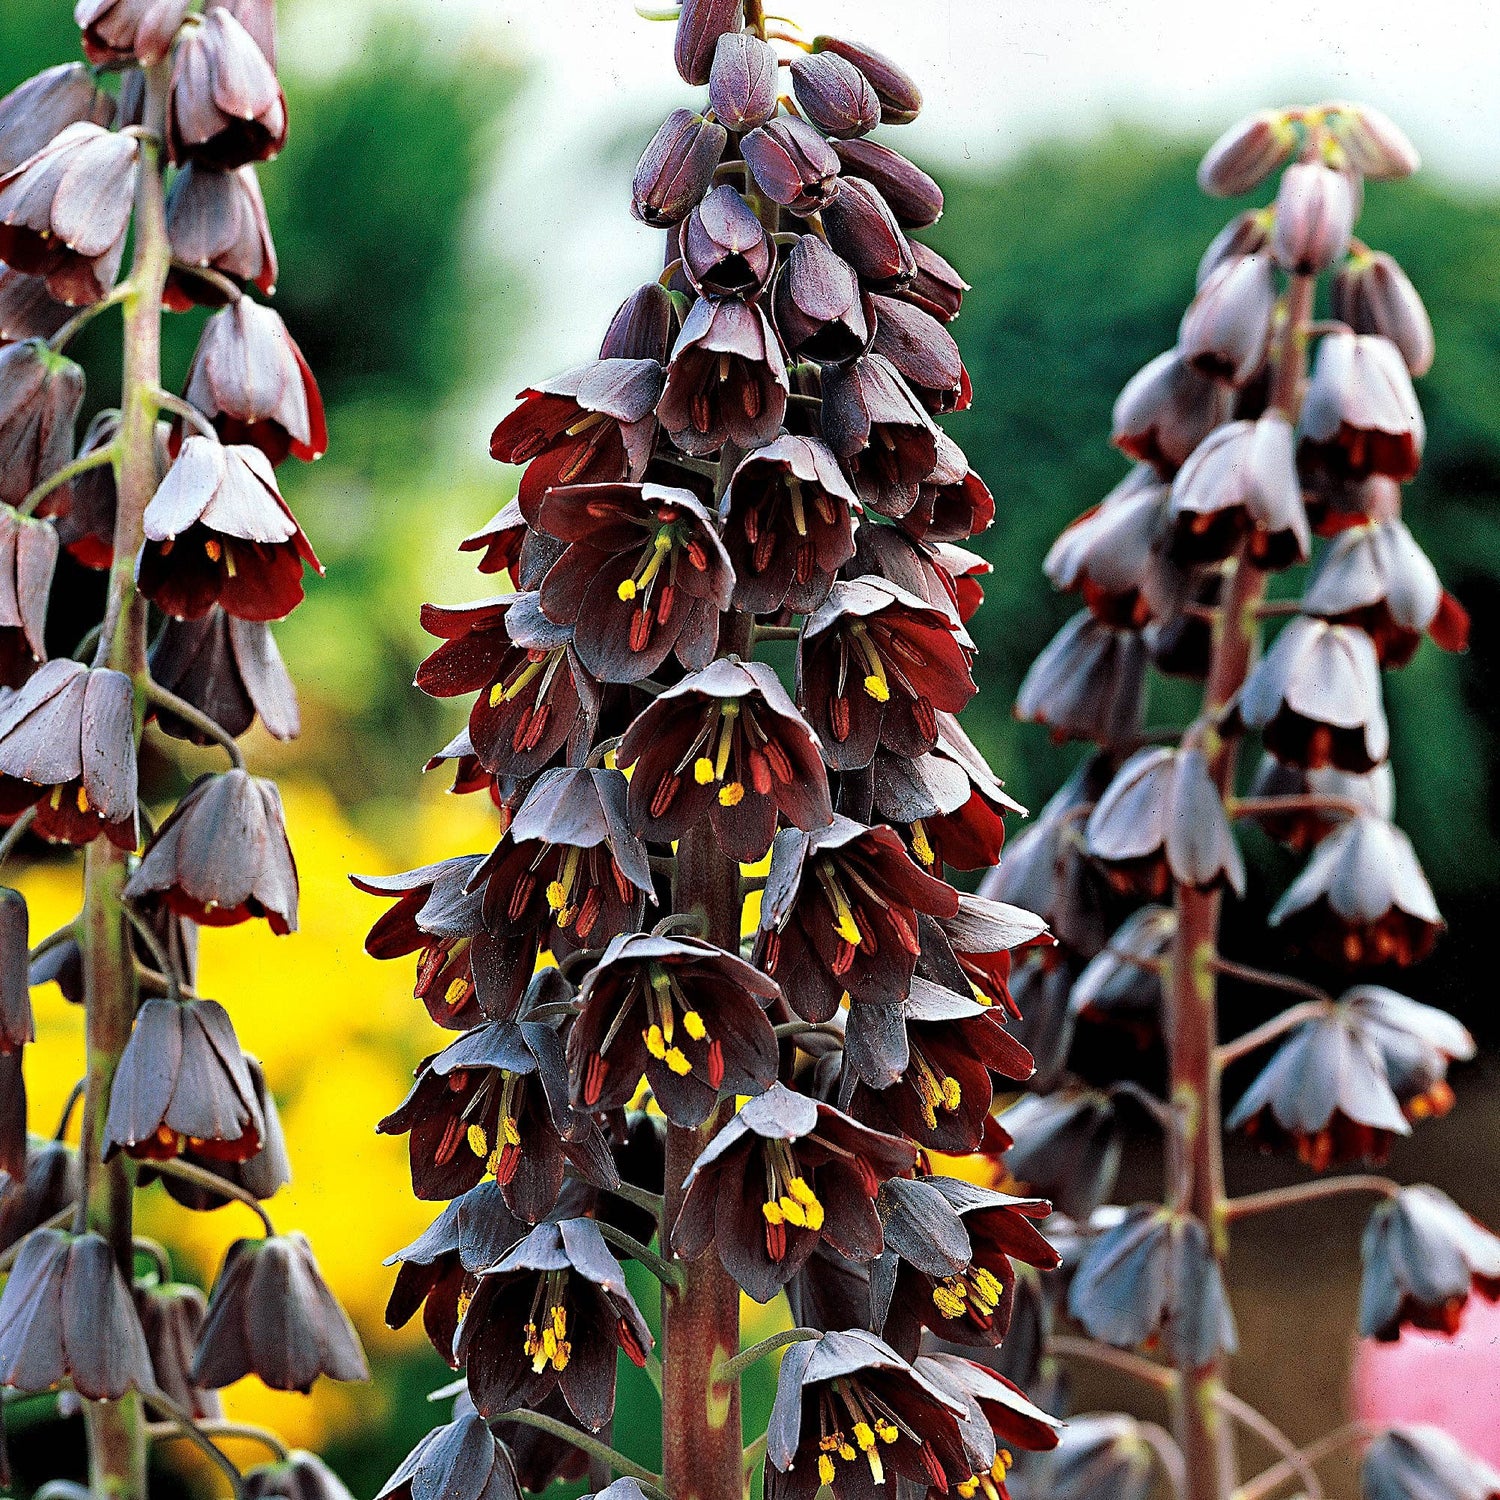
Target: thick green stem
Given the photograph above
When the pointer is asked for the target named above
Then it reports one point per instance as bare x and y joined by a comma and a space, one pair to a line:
116, 1429
1200, 1426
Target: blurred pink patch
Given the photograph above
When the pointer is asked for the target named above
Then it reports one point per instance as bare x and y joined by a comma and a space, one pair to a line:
1425, 1377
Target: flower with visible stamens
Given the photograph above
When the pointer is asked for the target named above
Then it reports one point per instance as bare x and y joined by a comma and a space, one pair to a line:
591, 424
560, 1299
644, 575
950, 1270
534, 696
783, 1174
840, 913
726, 379
727, 743
788, 525
683, 1013
848, 1408
875, 666
874, 422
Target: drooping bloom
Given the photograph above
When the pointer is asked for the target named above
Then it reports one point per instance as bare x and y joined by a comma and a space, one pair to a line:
559, 1298
743, 81
1109, 553
726, 251
875, 666
644, 575
1104, 1454
590, 425
37, 111
182, 1078
1165, 410
218, 532
1361, 416
1123, 984
1423, 1256
1067, 1147
862, 229
171, 1317
123, 33
1372, 294
67, 747
848, 1408
225, 108
460, 1461
821, 311
684, 1014
1416, 1044
783, 1174
28, 558
728, 744
874, 422
1421, 1460
40, 394
676, 168
271, 1314
64, 212
840, 913
792, 164
249, 378
216, 221
1227, 328
1088, 684
1315, 211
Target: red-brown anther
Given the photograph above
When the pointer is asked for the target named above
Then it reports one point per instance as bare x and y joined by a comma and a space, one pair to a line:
900, 98
676, 168
40, 109
226, 108
64, 212
1315, 210
834, 95
701, 25
217, 221
912, 196
591, 424
744, 81
727, 379
1227, 328
1247, 153
1361, 416
249, 378
1372, 294
127, 33
726, 251
218, 532
862, 229
40, 395
792, 165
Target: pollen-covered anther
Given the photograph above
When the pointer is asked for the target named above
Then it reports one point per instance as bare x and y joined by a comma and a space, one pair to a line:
731, 794
921, 845
692, 1023
703, 770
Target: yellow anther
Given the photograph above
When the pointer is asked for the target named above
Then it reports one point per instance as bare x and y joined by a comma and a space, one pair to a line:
953, 1094
703, 770
677, 1061
799, 1189
829, 1442
557, 895
886, 1430
561, 1355
464, 1299
825, 1469
1001, 1466
456, 991
968, 1488
692, 1023
510, 1129
627, 589
731, 794
921, 845
864, 1435
559, 1320
846, 1452
815, 1215
772, 1212
497, 695
656, 1043
213, 548
877, 688
478, 1143
987, 1289
948, 1297
83, 800
792, 1212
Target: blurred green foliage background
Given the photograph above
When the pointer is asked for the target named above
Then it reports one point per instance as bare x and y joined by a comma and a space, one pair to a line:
1082, 258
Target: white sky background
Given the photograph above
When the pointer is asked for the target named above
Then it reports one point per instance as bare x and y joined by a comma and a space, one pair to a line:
998, 77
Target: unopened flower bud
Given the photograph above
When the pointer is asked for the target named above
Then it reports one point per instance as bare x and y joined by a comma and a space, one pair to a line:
819, 309
835, 95
914, 198
1372, 294
937, 288
1226, 330
699, 26
861, 227
676, 169
744, 82
1315, 210
1376, 146
217, 64
40, 109
1246, 234
726, 251
641, 327
792, 165
127, 33
1247, 153
900, 98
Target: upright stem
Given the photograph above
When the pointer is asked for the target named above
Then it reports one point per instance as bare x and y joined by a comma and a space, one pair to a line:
1201, 1429
116, 1429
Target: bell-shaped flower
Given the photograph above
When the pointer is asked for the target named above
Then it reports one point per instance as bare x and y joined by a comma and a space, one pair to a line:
216, 221
230, 670
460, 1461
874, 422
225, 108
1165, 410
1067, 1148
1412, 1461
1360, 416
1088, 684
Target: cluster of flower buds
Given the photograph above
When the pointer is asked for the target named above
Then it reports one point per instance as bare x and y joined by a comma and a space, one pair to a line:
176, 500
753, 458
1243, 457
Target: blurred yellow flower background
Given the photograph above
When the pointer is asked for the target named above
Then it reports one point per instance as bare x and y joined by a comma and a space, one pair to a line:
338, 1035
